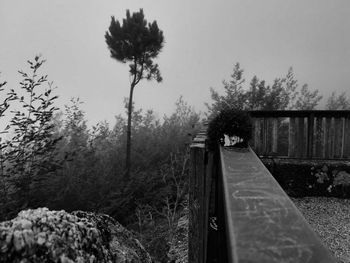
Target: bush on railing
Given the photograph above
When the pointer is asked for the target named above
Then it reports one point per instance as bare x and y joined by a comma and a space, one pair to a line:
230, 128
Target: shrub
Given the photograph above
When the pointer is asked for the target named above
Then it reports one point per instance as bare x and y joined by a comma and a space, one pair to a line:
311, 177
232, 123
28, 159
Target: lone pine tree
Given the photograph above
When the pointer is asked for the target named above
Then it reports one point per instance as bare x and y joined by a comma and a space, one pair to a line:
137, 42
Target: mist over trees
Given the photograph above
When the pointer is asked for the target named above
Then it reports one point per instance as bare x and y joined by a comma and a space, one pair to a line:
52, 158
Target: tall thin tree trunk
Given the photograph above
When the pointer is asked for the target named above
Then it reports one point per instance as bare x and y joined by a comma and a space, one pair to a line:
128, 134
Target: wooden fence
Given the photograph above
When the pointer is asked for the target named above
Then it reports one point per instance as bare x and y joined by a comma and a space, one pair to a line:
302, 134
256, 220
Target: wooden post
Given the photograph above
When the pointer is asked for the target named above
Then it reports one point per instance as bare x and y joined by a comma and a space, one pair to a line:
257, 136
346, 150
196, 201
343, 138
265, 131
310, 135
327, 137
209, 163
319, 139
300, 139
338, 137
274, 135
291, 141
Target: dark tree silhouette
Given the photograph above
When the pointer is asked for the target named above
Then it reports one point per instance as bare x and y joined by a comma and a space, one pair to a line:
139, 43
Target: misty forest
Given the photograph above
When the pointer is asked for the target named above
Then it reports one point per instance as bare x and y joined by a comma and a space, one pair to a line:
135, 170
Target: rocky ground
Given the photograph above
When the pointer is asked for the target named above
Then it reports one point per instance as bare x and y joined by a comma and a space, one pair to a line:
41, 235
330, 218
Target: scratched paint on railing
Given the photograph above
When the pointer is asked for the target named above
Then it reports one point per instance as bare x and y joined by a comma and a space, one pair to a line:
263, 223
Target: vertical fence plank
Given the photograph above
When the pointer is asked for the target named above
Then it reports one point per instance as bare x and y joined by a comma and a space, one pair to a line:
332, 137
346, 149
262, 136
291, 143
257, 136
343, 137
300, 138
252, 140
265, 146
319, 138
310, 135
268, 136
274, 135
338, 137
207, 188
328, 137
283, 136
196, 201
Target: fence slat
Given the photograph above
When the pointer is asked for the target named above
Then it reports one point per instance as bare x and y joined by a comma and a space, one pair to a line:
292, 143
274, 135
309, 134
265, 132
346, 150
257, 136
338, 137
300, 138
206, 199
319, 138
343, 138
327, 137
268, 136
196, 201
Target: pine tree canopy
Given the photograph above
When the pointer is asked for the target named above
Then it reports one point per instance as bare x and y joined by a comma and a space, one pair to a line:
136, 41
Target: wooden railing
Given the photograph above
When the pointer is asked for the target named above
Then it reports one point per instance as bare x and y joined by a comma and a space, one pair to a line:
302, 134
200, 183
256, 220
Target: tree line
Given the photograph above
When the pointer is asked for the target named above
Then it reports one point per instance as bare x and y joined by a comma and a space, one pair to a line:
284, 93
51, 158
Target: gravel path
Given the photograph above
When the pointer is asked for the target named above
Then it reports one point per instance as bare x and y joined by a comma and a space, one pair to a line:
330, 218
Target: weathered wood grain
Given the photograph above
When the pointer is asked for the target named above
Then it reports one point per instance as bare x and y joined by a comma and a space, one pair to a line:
196, 201
292, 141
262, 223
312, 134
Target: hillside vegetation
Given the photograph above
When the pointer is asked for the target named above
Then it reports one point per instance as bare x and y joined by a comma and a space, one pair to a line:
51, 158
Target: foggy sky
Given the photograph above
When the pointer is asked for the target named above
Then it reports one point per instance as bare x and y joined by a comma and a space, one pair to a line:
203, 41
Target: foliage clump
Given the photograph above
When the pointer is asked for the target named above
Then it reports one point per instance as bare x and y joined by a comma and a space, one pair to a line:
232, 123
331, 181
28, 154
310, 178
